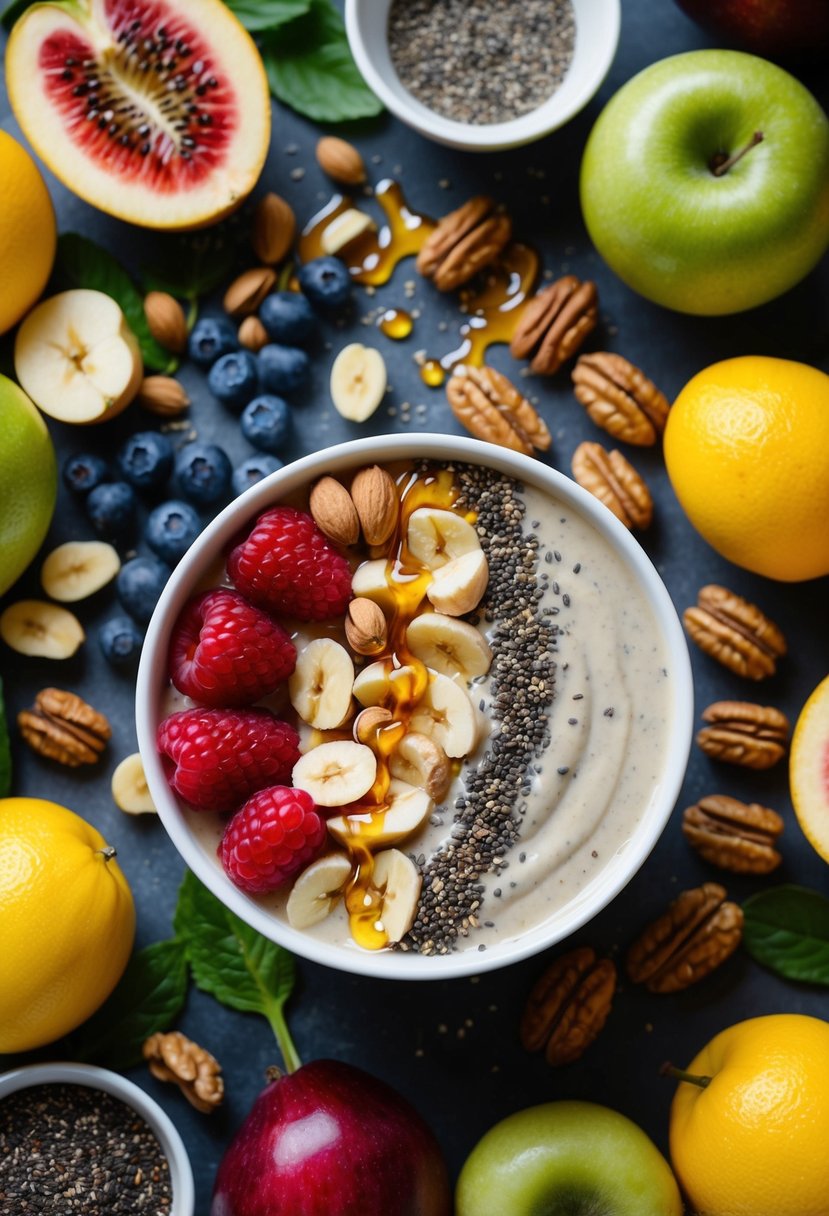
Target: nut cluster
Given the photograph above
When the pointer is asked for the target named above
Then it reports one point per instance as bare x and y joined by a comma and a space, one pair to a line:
568, 1006
491, 408
735, 632
63, 727
555, 323
464, 242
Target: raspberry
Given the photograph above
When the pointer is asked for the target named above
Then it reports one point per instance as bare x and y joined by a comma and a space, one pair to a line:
216, 758
271, 838
226, 652
287, 566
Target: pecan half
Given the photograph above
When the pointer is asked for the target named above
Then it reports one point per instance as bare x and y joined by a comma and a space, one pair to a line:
615, 482
735, 632
754, 736
568, 1006
736, 836
491, 408
464, 242
689, 941
61, 726
555, 323
619, 398
174, 1057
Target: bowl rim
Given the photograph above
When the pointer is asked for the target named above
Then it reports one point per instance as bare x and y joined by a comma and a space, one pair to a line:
379, 449
93, 1077
533, 125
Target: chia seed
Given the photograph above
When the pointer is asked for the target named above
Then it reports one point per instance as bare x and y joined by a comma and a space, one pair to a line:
481, 61
68, 1149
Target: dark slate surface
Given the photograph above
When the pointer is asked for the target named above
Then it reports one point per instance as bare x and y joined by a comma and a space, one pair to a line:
452, 1046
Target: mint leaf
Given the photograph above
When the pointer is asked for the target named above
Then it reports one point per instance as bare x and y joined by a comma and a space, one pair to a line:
256, 15
310, 68
16, 9
5, 751
194, 264
148, 998
86, 264
787, 930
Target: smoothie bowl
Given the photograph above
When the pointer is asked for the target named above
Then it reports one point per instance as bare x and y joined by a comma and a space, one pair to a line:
415, 707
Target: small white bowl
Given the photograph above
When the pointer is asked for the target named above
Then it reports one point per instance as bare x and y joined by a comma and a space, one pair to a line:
172, 1145
201, 558
597, 36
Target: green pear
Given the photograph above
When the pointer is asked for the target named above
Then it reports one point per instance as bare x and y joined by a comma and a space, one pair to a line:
28, 482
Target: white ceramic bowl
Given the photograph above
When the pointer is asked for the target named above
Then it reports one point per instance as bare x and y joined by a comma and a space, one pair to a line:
152, 683
60, 1073
597, 36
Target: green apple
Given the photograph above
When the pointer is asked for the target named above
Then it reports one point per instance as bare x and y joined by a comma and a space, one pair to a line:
566, 1159
28, 482
705, 182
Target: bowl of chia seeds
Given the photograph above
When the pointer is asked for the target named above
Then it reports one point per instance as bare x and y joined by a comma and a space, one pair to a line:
484, 74
562, 701
82, 1141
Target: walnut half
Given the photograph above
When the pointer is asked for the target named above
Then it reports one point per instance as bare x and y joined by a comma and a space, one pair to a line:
174, 1057
568, 1006
699, 931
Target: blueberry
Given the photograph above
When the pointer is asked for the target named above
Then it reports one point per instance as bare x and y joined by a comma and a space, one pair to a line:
120, 641
211, 338
266, 422
326, 282
146, 460
252, 470
84, 472
283, 369
111, 508
139, 584
234, 379
288, 317
203, 473
171, 530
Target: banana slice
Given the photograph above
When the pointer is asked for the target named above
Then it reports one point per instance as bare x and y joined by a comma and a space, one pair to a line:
320, 687
420, 761
369, 582
317, 890
78, 569
408, 810
452, 647
398, 881
345, 228
375, 685
43, 630
129, 787
336, 773
435, 536
458, 587
446, 714
77, 358
358, 381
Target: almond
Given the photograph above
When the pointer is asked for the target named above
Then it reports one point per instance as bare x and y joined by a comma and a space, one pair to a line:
163, 396
341, 160
274, 229
252, 334
334, 512
166, 319
365, 627
367, 722
245, 294
375, 496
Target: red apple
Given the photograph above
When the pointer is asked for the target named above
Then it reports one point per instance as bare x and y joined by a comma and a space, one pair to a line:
330, 1140
767, 27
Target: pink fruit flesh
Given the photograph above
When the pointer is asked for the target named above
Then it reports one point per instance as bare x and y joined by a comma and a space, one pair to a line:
182, 131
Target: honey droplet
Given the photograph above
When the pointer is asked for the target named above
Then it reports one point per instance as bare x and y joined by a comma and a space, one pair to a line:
432, 373
396, 323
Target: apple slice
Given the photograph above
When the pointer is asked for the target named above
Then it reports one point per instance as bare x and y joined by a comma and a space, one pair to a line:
77, 358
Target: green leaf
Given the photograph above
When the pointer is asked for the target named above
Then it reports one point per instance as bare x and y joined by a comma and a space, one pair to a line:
233, 962
310, 68
16, 9
148, 998
787, 929
256, 15
193, 265
86, 264
5, 751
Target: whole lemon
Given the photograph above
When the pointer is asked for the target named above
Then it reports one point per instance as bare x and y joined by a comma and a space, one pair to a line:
747, 452
28, 235
67, 922
753, 1141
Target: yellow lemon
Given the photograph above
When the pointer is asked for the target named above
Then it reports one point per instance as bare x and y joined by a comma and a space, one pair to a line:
28, 234
67, 922
809, 769
747, 452
753, 1141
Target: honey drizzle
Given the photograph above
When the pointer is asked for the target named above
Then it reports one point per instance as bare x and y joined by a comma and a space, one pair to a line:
395, 323
407, 581
495, 310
